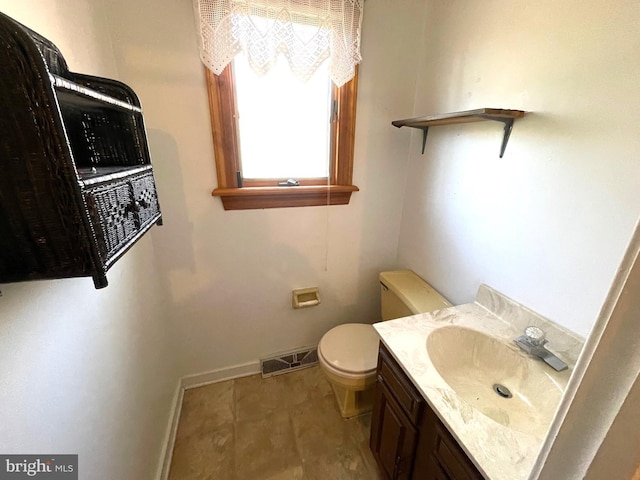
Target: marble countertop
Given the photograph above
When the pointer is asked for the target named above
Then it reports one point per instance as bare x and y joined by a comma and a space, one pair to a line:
499, 452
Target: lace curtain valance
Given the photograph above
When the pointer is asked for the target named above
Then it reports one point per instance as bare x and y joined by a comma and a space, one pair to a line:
307, 32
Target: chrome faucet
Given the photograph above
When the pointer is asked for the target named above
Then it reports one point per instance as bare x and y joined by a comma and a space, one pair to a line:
533, 342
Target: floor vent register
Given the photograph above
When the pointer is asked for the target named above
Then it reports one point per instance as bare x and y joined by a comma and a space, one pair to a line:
289, 361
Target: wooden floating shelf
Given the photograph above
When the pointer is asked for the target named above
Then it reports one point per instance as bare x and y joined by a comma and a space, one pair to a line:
507, 117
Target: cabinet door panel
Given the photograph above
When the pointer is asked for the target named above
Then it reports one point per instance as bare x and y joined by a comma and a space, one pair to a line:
407, 439
452, 458
402, 388
113, 214
145, 199
438, 473
393, 437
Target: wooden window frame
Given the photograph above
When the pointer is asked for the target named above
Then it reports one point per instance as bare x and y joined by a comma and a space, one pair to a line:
256, 194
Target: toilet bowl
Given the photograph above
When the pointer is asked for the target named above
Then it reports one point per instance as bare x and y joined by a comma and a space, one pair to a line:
348, 356
348, 353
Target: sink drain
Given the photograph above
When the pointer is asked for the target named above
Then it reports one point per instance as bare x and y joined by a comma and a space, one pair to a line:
501, 390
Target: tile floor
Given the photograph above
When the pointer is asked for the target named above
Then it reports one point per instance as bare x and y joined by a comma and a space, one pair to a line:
286, 427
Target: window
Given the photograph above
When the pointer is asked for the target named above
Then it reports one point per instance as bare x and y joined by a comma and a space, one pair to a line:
245, 185
294, 142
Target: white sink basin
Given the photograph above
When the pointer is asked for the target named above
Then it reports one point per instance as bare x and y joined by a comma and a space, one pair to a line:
475, 365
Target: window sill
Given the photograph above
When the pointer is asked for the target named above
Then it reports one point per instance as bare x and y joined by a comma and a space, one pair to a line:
247, 198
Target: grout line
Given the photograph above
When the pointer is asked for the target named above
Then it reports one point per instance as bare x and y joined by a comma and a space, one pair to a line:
296, 441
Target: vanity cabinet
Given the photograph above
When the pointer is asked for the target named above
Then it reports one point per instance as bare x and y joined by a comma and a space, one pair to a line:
407, 439
397, 409
438, 454
77, 188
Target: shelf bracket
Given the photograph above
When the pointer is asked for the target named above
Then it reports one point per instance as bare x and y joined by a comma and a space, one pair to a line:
508, 126
425, 131
507, 117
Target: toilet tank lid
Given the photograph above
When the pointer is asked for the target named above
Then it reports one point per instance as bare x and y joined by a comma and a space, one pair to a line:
413, 291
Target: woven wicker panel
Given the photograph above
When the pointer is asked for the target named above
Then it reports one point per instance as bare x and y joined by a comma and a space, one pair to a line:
146, 198
50, 53
106, 86
113, 211
42, 230
104, 137
50, 226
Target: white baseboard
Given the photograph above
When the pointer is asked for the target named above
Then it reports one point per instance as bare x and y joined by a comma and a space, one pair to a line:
193, 381
214, 376
170, 435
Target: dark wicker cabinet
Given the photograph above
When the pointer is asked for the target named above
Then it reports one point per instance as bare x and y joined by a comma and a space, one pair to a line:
76, 182
407, 439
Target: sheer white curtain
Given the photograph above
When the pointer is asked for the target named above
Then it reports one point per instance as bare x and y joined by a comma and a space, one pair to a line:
307, 32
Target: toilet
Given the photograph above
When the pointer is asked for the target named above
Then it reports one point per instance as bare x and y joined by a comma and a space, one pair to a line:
348, 353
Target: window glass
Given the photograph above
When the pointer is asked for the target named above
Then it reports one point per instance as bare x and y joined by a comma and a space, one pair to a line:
284, 124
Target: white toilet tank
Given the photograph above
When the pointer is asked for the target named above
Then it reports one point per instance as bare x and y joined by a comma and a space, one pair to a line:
404, 293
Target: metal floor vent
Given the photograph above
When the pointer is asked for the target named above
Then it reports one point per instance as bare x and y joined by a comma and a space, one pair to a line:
288, 362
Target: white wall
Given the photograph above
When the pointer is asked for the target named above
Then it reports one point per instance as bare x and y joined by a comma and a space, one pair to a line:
230, 273
595, 432
93, 371
617, 456
547, 224
86, 371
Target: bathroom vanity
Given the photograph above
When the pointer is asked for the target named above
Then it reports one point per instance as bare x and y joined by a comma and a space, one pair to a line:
456, 399
407, 439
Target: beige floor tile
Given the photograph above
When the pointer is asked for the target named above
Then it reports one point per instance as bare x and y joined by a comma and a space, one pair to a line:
304, 385
341, 464
363, 426
286, 427
321, 431
205, 456
330, 446
266, 449
256, 397
204, 446
205, 408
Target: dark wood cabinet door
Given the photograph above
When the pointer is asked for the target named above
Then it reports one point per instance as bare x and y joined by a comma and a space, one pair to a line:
438, 456
393, 436
407, 439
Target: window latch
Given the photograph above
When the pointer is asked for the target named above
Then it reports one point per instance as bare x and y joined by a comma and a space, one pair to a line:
289, 183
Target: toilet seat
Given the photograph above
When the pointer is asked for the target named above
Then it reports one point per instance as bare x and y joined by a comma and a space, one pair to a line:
350, 350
